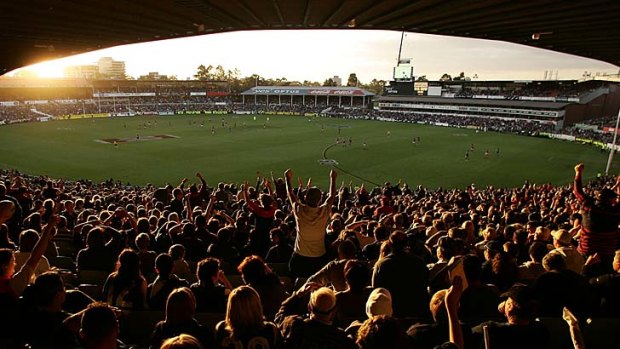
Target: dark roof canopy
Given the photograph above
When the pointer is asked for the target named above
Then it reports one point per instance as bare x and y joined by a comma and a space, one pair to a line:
35, 30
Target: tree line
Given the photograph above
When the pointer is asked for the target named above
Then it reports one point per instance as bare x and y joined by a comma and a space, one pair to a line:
240, 83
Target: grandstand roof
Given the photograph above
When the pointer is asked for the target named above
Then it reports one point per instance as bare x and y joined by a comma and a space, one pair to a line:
35, 30
473, 101
307, 91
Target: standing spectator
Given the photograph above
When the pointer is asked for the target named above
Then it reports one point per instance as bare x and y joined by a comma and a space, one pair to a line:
601, 215
311, 217
264, 211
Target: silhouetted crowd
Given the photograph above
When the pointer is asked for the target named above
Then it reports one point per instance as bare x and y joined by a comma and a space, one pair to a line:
286, 265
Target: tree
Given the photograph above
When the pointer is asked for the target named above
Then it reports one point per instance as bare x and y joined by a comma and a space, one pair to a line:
203, 73
329, 82
461, 77
445, 77
421, 78
375, 86
352, 81
219, 74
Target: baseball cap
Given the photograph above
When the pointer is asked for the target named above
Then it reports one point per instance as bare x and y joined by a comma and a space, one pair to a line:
522, 294
493, 246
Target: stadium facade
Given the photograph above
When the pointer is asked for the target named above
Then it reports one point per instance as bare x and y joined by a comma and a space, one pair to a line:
340, 96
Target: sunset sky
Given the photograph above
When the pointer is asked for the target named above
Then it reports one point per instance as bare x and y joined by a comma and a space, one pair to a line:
319, 54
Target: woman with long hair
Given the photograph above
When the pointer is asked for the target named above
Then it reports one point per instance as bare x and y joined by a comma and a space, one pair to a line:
126, 287
180, 310
245, 325
265, 282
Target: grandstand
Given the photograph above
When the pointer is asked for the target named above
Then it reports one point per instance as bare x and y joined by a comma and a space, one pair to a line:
309, 95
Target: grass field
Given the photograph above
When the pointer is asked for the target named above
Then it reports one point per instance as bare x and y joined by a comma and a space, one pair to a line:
72, 149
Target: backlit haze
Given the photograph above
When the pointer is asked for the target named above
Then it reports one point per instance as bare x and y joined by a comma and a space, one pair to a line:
316, 55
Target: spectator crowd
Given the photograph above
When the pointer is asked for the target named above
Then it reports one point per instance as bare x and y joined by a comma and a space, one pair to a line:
278, 264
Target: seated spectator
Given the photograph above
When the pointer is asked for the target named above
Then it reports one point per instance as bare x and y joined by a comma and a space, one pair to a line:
157, 292
256, 273
520, 330
479, 301
44, 320
332, 274
379, 303
180, 266
5, 239
380, 232
100, 250
428, 336
280, 250
180, 310
182, 341
126, 287
352, 301
504, 271
212, 288
147, 257
27, 240
380, 332
12, 283
563, 243
445, 249
99, 327
409, 298
606, 288
560, 287
245, 322
529, 271
318, 331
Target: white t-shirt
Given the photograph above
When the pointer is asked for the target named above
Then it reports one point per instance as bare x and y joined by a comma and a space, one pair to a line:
311, 224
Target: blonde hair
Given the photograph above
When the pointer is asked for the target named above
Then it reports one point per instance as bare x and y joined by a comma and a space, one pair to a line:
244, 311
323, 300
180, 306
182, 341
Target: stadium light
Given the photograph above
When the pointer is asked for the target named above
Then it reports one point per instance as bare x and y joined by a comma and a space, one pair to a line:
613, 145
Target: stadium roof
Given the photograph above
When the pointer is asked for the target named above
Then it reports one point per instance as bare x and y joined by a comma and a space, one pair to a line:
473, 101
35, 30
307, 91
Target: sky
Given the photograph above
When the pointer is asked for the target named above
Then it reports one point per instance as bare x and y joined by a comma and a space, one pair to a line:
316, 55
